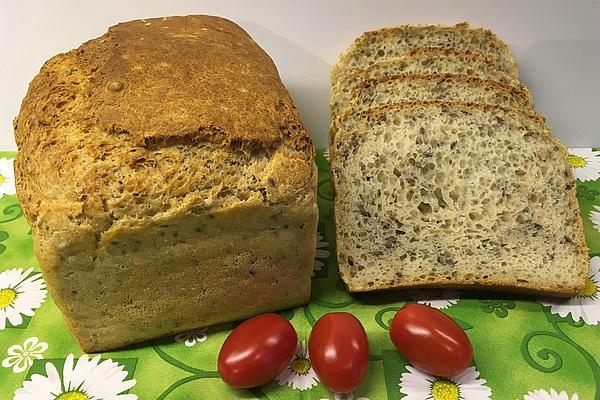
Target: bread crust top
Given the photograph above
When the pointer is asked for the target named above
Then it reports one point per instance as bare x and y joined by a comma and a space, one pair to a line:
188, 77
156, 117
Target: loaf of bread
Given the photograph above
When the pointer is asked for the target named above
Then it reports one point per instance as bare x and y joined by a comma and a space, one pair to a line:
386, 43
454, 194
168, 181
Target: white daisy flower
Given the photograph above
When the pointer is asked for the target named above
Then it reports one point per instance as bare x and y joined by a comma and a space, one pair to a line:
326, 154
21, 357
595, 217
322, 252
417, 385
7, 177
440, 299
299, 373
541, 394
586, 305
21, 293
193, 337
585, 163
86, 380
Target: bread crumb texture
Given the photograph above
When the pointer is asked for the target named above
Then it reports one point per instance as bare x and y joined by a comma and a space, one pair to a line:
420, 61
387, 43
452, 194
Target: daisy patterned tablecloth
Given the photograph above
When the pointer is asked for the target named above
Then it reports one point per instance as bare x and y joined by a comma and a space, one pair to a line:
525, 348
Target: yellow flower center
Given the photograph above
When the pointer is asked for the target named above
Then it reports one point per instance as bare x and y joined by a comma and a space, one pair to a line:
443, 389
301, 365
589, 289
74, 395
7, 297
1, 179
576, 161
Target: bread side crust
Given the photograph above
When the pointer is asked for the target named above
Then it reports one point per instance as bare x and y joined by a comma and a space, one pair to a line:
153, 279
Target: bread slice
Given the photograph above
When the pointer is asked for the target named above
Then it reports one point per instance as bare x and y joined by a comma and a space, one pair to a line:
398, 88
433, 194
421, 61
387, 43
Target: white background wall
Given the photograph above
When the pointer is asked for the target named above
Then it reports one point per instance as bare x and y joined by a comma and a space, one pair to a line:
557, 44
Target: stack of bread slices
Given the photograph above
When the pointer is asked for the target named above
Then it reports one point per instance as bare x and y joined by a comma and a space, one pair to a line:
443, 173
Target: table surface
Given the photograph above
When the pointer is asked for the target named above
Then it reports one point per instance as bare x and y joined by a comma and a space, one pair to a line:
557, 44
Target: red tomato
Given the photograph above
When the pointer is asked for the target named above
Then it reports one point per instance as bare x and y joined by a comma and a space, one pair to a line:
339, 351
256, 351
431, 341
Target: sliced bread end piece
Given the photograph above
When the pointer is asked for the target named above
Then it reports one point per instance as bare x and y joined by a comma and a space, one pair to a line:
456, 195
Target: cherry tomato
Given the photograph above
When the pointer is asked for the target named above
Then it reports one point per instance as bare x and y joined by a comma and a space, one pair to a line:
339, 351
256, 351
431, 341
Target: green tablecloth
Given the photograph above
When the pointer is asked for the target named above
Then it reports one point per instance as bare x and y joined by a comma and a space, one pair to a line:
525, 348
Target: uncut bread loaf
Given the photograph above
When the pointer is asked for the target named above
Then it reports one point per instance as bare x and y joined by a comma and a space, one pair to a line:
387, 43
452, 194
420, 61
168, 181
409, 87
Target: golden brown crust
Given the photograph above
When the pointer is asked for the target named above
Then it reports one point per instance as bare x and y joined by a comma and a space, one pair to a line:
225, 87
143, 138
118, 118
